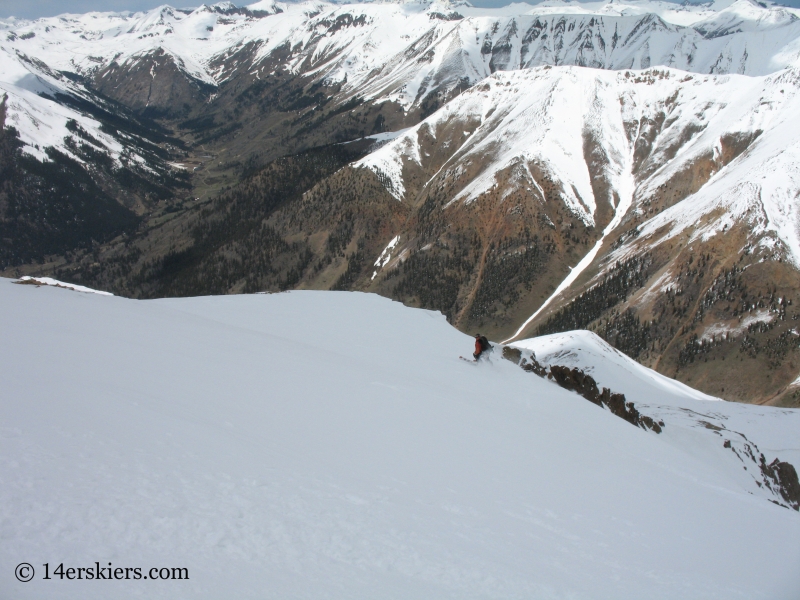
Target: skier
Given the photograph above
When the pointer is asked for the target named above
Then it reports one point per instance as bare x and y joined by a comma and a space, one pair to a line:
481, 346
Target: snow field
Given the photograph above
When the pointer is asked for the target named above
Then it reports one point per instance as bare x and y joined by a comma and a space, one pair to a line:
696, 422
332, 445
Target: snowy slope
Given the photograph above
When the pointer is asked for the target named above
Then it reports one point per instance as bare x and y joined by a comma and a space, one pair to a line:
28, 86
35, 93
696, 423
315, 444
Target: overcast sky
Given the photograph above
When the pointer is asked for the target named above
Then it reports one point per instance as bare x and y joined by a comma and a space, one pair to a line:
32, 9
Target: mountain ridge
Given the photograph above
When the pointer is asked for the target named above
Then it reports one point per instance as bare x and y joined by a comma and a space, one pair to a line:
492, 164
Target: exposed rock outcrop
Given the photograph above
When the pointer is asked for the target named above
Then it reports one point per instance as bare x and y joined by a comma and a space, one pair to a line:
576, 380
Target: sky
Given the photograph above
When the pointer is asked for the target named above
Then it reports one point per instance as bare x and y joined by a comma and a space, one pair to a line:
33, 9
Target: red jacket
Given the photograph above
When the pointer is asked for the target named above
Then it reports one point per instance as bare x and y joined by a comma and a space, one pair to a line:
478, 348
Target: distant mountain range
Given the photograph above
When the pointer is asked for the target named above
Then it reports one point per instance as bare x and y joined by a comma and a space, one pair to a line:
632, 168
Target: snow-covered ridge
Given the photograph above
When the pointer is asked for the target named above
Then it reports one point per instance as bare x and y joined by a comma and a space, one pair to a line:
754, 37
397, 52
609, 367
238, 437
696, 422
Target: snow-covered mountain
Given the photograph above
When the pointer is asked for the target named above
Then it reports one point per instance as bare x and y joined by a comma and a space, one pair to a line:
645, 130
395, 52
352, 40
506, 166
318, 444
656, 163
400, 52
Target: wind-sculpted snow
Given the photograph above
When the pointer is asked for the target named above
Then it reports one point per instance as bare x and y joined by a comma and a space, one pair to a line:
318, 444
